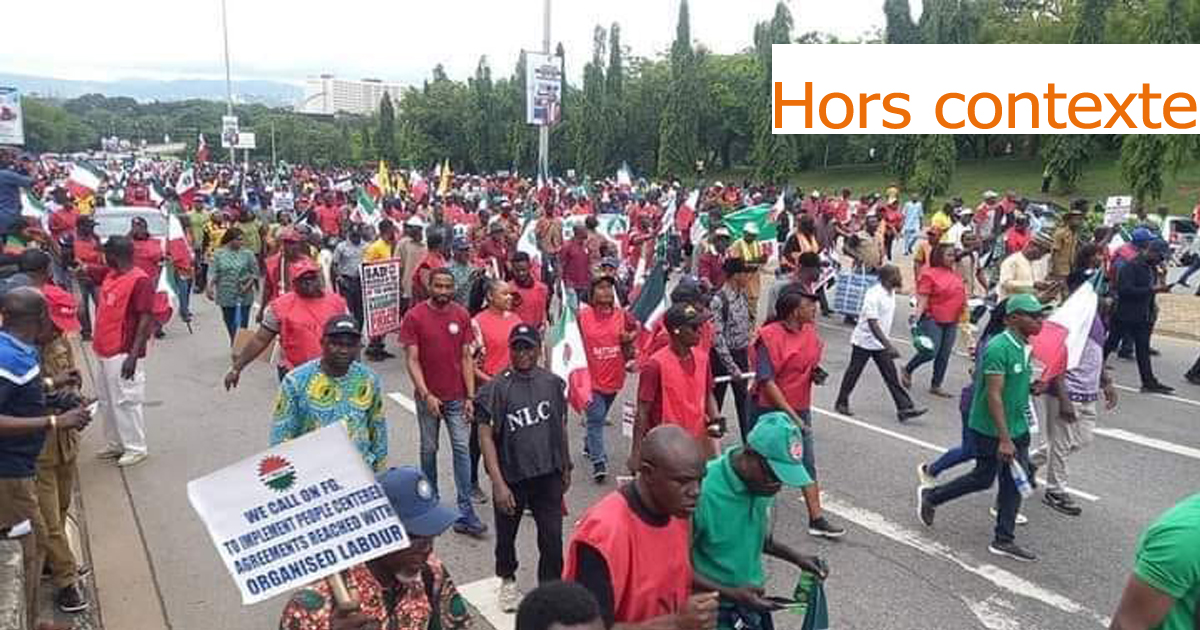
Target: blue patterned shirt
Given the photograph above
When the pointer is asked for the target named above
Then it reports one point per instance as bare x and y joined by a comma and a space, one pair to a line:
310, 399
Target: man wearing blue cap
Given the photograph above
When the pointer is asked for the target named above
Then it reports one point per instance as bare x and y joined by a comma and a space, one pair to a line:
403, 590
727, 553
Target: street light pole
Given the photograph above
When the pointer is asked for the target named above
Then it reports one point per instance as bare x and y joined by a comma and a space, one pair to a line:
544, 130
228, 82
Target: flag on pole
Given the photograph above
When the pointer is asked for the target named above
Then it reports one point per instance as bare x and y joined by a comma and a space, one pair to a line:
1059, 346
84, 179
568, 358
383, 179
444, 182
365, 208
201, 150
759, 215
650, 302
33, 208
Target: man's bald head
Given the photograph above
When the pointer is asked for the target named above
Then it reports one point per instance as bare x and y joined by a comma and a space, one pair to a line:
23, 307
671, 470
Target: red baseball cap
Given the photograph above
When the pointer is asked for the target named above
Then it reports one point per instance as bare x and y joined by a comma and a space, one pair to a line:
63, 309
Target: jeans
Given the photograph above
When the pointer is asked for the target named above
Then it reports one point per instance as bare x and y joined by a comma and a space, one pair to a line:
1139, 332
460, 437
910, 239
887, 369
593, 441
1192, 269
943, 345
88, 294
964, 452
741, 358
987, 469
183, 288
544, 497
236, 317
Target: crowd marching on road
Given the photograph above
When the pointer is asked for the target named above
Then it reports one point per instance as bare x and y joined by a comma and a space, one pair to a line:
504, 284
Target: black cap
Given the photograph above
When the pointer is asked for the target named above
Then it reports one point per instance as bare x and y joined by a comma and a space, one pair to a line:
341, 325
733, 266
524, 333
682, 314
688, 290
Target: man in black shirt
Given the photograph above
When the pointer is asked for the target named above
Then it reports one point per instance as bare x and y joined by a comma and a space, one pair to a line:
23, 426
1137, 288
522, 416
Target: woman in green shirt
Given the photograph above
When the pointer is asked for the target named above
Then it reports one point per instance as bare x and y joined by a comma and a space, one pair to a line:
233, 280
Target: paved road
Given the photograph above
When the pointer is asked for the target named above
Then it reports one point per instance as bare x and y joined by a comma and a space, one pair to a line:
888, 572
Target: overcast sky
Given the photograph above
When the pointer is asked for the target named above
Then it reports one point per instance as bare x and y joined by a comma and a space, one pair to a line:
392, 40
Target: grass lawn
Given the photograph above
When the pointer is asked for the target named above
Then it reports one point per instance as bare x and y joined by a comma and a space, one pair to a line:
1101, 179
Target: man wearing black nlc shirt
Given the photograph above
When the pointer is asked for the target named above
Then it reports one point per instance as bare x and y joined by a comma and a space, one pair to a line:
522, 417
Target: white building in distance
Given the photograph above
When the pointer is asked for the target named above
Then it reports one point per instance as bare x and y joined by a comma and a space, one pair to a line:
327, 94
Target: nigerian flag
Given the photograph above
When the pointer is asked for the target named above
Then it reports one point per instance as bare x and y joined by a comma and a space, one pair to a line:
366, 207
568, 359
759, 215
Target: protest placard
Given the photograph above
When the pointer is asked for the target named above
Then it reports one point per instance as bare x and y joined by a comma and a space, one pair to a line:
381, 296
12, 123
296, 513
1117, 209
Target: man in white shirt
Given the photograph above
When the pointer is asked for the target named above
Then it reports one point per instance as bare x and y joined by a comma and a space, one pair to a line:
1017, 272
870, 341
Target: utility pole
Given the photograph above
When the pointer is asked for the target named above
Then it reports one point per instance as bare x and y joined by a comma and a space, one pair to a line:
228, 82
544, 130
274, 160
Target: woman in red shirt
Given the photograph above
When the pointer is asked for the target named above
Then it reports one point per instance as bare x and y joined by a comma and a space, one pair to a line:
492, 326
608, 332
941, 299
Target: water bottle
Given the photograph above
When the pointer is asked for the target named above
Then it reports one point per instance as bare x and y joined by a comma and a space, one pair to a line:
1020, 479
628, 415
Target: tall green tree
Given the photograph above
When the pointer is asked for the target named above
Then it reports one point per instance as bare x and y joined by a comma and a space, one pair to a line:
591, 139
1143, 161
484, 123
385, 136
900, 26
774, 155
934, 165
614, 98
679, 131
949, 22
1090, 22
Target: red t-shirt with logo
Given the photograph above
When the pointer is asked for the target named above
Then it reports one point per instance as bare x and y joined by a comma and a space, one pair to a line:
532, 306
439, 335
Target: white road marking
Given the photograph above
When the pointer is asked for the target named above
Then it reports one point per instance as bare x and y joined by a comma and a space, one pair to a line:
994, 613
999, 577
404, 401
1149, 442
483, 595
1087, 496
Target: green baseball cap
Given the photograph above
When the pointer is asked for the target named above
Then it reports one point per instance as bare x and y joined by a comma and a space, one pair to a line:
1025, 303
778, 439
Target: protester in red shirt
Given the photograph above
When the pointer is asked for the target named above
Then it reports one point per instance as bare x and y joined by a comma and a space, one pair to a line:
787, 358
90, 269
63, 219
147, 252
433, 260
494, 250
531, 299
436, 335
1018, 236
941, 300
124, 323
675, 386
329, 215
575, 260
294, 249
608, 333
711, 265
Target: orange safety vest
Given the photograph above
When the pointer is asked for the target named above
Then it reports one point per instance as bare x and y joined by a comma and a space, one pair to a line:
793, 356
682, 393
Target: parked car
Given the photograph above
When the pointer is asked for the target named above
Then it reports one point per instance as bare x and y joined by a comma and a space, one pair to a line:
115, 221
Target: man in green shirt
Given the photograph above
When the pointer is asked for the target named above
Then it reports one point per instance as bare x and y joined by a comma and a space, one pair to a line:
1164, 591
999, 426
727, 552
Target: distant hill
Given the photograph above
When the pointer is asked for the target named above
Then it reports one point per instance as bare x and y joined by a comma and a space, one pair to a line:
270, 93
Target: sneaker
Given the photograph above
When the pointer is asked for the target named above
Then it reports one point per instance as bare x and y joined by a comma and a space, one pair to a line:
509, 595
924, 477
132, 459
843, 409
1021, 518
1031, 472
1157, 388
1062, 502
477, 531
599, 472
110, 452
904, 415
1011, 550
70, 599
477, 496
824, 529
925, 509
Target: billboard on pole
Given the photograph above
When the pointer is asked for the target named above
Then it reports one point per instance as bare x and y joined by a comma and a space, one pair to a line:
246, 140
543, 88
229, 132
12, 123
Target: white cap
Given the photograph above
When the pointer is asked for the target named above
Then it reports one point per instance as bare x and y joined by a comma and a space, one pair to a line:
415, 221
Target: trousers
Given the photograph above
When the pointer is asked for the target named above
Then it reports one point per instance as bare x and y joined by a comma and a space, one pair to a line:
543, 496
460, 437
18, 503
1060, 439
887, 369
121, 405
55, 487
987, 470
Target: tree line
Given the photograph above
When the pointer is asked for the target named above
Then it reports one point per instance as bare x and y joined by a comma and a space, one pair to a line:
663, 115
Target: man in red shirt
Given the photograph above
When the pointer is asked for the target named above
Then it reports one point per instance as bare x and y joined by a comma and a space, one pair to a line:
433, 260
533, 297
575, 261
675, 386
329, 215
147, 252
293, 251
608, 332
124, 322
494, 250
90, 269
711, 266
63, 219
436, 335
